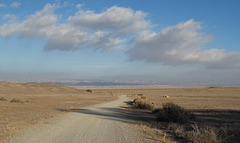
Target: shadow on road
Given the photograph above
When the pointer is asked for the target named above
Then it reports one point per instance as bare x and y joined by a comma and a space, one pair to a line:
126, 114
123, 114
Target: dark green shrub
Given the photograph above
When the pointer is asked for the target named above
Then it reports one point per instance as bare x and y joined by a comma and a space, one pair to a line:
16, 100
89, 90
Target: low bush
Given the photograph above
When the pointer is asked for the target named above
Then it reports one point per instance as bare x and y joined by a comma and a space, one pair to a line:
201, 133
228, 132
143, 103
89, 90
3, 99
195, 133
16, 100
173, 113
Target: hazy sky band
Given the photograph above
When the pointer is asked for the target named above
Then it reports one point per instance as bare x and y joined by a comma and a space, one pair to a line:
114, 40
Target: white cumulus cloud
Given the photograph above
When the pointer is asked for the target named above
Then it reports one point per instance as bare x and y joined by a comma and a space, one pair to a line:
10, 18
78, 5
36, 25
65, 36
180, 44
15, 4
119, 27
119, 19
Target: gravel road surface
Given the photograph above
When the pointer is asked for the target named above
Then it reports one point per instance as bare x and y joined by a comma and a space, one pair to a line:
102, 123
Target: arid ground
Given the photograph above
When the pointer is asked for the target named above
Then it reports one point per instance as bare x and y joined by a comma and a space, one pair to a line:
33, 105
213, 107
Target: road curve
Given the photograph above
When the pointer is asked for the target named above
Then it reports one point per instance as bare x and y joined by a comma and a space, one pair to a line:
102, 123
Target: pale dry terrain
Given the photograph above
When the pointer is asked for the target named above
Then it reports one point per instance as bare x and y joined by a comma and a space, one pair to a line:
213, 107
102, 123
226, 98
216, 111
216, 106
37, 103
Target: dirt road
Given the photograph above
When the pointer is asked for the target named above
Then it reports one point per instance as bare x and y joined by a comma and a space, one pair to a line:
103, 123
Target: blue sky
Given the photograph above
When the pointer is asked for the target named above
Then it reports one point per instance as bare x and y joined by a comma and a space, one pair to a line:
167, 41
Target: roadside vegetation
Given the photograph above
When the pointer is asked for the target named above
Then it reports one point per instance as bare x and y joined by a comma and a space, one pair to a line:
142, 103
3, 99
15, 100
200, 133
89, 90
182, 123
171, 112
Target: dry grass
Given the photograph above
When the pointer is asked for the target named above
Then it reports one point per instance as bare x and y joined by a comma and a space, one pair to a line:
218, 108
3, 99
221, 98
205, 133
195, 133
217, 112
44, 103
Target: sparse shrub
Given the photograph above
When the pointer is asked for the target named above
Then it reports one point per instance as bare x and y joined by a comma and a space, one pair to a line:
16, 100
205, 134
143, 103
89, 90
195, 133
173, 113
3, 99
226, 133
202, 135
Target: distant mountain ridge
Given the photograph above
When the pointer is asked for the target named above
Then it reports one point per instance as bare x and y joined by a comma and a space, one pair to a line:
83, 82
115, 83
9, 87
91, 83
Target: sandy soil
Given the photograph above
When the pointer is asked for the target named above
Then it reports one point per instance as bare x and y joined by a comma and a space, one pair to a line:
41, 102
37, 103
102, 123
225, 98
215, 107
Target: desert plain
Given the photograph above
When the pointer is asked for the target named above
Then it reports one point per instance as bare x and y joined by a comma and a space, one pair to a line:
25, 105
